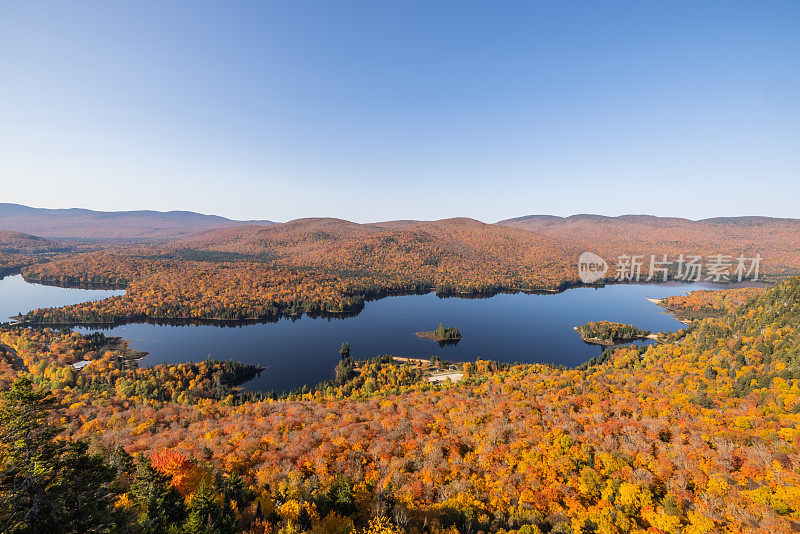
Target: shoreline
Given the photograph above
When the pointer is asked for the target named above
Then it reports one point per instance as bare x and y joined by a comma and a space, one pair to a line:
672, 312
606, 343
338, 314
123, 346
433, 337
117, 343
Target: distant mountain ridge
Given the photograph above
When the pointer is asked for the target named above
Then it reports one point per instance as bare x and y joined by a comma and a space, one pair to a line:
202, 230
744, 220
79, 223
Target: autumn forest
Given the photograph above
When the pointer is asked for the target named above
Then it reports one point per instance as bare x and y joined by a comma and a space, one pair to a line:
697, 431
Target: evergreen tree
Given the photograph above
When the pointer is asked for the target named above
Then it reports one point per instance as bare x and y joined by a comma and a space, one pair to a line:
207, 515
85, 492
47, 485
233, 488
161, 506
120, 460
344, 371
338, 498
29, 460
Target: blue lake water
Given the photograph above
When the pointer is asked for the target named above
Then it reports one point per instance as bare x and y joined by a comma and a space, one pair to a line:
505, 327
17, 296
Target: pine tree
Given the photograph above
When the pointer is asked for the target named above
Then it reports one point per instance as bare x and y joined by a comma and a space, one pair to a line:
47, 485
29, 459
440, 331
161, 506
207, 515
85, 492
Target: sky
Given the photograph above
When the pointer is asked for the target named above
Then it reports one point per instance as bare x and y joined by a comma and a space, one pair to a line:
378, 110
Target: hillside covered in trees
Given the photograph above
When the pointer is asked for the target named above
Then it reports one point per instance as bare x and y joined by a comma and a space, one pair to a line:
331, 266
776, 240
698, 433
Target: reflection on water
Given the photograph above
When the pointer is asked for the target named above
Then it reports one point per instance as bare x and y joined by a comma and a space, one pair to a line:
18, 296
507, 328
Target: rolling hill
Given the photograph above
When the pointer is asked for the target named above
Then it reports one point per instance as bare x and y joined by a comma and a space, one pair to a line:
546, 237
351, 245
776, 240
325, 265
19, 243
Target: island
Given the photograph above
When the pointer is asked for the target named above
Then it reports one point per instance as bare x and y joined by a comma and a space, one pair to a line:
607, 333
442, 334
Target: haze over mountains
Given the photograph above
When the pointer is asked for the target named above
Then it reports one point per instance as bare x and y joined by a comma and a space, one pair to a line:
330, 237
538, 221
78, 223
145, 225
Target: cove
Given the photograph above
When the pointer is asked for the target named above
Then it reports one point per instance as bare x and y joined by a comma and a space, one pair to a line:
17, 295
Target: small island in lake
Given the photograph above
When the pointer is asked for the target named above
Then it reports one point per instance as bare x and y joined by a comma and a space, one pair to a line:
608, 333
442, 334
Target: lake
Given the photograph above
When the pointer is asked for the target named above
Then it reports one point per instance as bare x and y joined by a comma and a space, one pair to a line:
505, 327
16, 295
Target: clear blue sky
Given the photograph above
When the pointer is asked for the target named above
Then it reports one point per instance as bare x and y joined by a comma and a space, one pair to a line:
380, 110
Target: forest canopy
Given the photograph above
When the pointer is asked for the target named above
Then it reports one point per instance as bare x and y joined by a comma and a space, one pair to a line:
697, 433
